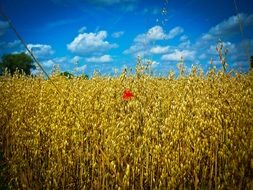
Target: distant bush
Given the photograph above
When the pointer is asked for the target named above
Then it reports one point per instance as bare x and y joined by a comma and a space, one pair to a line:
67, 75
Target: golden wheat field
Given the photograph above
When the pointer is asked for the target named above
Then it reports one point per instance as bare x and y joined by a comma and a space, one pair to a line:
186, 132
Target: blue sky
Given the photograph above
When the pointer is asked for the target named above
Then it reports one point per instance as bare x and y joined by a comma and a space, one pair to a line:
107, 35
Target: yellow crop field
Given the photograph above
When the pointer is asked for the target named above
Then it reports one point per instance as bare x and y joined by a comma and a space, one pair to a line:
186, 132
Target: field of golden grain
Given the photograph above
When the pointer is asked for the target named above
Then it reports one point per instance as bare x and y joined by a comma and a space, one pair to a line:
189, 132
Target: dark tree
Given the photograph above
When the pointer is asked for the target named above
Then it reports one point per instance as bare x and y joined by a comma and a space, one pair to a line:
20, 62
67, 75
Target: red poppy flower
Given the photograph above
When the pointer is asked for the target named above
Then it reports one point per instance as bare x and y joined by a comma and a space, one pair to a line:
127, 95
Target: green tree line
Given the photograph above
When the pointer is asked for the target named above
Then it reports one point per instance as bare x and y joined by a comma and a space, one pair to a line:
23, 63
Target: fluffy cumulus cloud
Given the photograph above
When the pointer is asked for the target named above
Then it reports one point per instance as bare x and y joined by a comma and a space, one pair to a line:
100, 59
81, 69
117, 34
153, 63
55, 61
66, 64
185, 44
90, 43
227, 45
137, 49
4, 26
48, 63
41, 50
142, 43
175, 32
14, 44
200, 51
10, 45
240, 52
159, 49
229, 32
155, 33
76, 59
228, 27
183, 38
176, 55
247, 45
82, 29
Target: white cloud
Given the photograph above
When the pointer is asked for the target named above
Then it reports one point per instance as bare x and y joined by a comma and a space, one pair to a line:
62, 61
10, 45
137, 49
48, 63
142, 43
207, 37
41, 50
159, 49
184, 38
15, 43
81, 69
90, 42
247, 44
228, 31
185, 44
65, 63
153, 63
82, 29
228, 27
226, 45
101, 59
175, 32
155, 33
176, 55
75, 60
117, 34
3, 27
